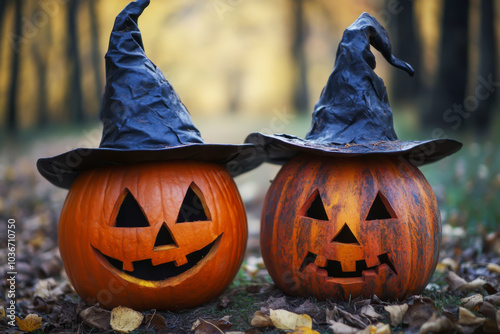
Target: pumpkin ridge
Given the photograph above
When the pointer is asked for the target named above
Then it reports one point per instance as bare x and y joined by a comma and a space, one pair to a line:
275, 231
85, 227
224, 183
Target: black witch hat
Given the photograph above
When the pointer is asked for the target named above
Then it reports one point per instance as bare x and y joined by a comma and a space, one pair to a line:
353, 116
143, 118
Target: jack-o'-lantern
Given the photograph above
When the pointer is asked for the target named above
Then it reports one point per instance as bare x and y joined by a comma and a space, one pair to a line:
357, 226
349, 214
152, 218
167, 234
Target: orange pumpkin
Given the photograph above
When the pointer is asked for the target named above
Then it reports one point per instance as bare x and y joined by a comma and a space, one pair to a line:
346, 227
164, 235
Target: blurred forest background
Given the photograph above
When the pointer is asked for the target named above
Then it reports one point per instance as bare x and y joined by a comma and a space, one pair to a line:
249, 57
255, 65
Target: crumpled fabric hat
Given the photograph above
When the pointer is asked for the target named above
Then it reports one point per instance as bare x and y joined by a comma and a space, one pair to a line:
143, 118
353, 116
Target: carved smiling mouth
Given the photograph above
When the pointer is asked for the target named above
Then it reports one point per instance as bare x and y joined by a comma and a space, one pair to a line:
333, 269
145, 270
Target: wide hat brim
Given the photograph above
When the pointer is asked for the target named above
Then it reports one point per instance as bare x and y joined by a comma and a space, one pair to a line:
279, 148
62, 170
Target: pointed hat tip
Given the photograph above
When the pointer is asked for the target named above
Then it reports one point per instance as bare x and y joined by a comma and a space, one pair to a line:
140, 109
354, 107
133, 10
378, 37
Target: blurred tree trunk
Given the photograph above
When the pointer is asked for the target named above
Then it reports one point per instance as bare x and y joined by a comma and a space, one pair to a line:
301, 96
39, 51
41, 72
451, 81
234, 79
74, 86
487, 68
16, 42
96, 52
407, 47
3, 7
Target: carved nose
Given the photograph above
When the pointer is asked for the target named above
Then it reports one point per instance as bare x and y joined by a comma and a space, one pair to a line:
164, 238
345, 236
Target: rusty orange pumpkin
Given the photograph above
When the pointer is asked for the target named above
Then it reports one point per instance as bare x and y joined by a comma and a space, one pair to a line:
348, 227
155, 235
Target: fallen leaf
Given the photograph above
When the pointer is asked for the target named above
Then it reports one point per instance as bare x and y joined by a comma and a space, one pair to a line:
454, 281
51, 264
375, 300
492, 323
437, 325
304, 330
490, 289
156, 322
467, 318
62, 289
340, 328
493, 267
261, 320
382, 329
379, 328
493, 299
125, 320
396, 312
351, 319
40, 305
250, 270
368, 330
223, 302
205, 326
97, 317
498, 320
38, 240
44, 287
419, 312
286, 320
331, 315
492, 243
30, 323
2, 312
369, 311
473, 302
475, 284
307, 307
487, 309
274, 303
458, 283
253, 265
347, 318
447, 264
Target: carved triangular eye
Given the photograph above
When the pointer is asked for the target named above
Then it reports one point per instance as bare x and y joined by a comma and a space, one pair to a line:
164, 238
314, 208
130, 213
193, 206
345, 236
380, 209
